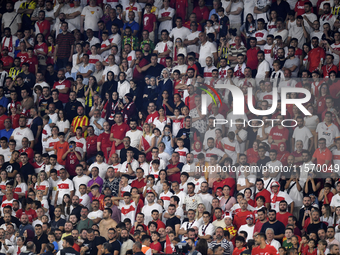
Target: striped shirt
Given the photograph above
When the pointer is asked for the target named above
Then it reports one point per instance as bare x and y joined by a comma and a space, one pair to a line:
234, 52
225, 244
335, 10
80, 122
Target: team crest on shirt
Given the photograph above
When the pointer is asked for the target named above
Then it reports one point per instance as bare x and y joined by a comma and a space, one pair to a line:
92, 12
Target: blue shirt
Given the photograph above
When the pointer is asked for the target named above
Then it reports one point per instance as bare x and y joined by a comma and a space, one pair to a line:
134, 26
213, 11
97, 131
83, 69
4, 101
4, 133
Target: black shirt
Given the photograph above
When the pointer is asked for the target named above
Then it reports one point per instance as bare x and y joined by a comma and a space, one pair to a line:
11, 167
28, 79
282, 10
71, 109
117, 22
14, 220
278, 227
56, 224
51, 79
58, 105
312, 227
172, 222
123, 153
39, 242
116, 246
262, 162
44, 104
69, 251
27, 170
93, 245
189, 133
154, 70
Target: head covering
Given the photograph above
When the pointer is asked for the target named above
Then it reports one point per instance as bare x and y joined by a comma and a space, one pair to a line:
129, 96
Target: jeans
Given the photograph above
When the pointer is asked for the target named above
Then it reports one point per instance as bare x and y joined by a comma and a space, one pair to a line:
61, 63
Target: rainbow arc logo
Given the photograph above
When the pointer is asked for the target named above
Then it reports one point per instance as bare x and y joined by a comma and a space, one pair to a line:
210, 94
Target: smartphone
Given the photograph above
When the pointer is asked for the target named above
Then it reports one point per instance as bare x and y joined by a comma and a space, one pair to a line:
167, 133
71, 146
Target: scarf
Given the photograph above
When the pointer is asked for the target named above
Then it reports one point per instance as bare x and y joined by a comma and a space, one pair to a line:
10, 45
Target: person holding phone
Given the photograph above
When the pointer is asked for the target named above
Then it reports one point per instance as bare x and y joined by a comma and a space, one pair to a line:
72, 158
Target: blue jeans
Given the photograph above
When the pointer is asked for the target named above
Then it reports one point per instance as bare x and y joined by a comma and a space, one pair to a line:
61, 63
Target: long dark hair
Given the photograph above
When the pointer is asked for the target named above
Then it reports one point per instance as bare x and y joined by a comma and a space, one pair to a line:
248, 23
202, 246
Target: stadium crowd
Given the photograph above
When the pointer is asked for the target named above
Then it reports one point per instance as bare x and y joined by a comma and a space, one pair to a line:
107, 150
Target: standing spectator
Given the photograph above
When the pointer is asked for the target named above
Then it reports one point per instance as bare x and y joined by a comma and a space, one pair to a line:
64, 47
90, 16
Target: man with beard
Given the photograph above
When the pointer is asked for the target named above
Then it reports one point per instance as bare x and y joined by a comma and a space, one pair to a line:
281, 56
97, 122
134, 134
141, 61
8, 44
11, 19
315, 223
21, 132
316, 54
68, 243
219, 239
103, 141
91, 142
64, 49
57, 222
125, 240
42, 25
190, 224
115, 211
106, 223
40, 240
262, 218
283, 215
84, 222
112, 239
63, 86
173, 221
75, 206
262, 191
263, 247
72, 106
274, 224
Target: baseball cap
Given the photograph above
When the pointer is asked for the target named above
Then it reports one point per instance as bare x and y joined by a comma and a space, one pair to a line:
250, 216
5, 48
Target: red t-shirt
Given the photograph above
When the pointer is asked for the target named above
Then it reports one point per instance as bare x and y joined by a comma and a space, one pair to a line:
252, 61
157, 247
71, 162
151, 117
137, 75
119, 132
201, 13
240, 218
283, 217
300, 7
181, 8
63, 97
327, 69
104, 138
138, 184
314, 57
43, 47
32, 61
252, 156
15, 120
30, 213
322, 156
91, 145
30, 153
44, 25
8, 61
265, 193
148, 21
268, 250
278, 134
238, 251
334, 88
321, 105
22, 56
2, 120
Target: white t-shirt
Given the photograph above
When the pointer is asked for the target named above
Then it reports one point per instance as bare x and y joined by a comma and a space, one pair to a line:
92, 16
179, 33
102, 169
235, 19
206, 50
114, 69
134, 137
80, 144
167, 24
80, 180
19, 134
208, 229
261, 35
6, 153
136, 8
249, 230
95, 214
303, 134
128, 211
64, 187
262, 69
207, 200
147, 210
193, 48
85, 200
327, 132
